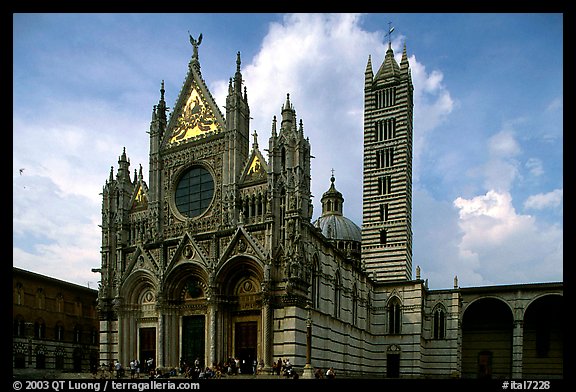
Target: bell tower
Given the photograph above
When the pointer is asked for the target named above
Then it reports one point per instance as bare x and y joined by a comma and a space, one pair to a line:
387, 178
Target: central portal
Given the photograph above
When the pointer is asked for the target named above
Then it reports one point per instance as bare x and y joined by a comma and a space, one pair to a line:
193, 338
245, 344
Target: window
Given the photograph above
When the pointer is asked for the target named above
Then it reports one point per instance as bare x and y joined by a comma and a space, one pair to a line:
337, 290
77, 335
384, 185
384, 212
40, 298
315, 287
19, 294
385, 129
384, 158
282, 212
59, 332
369, 311
194, 192
39, 330
394, 316
354, 304
439, 327
386, 97
19, 327
382, 237
94, 336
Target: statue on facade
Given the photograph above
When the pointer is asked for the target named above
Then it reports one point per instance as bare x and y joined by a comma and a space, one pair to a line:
195, 43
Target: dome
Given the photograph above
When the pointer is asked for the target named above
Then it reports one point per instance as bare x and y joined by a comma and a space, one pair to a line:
338, 227
333, 224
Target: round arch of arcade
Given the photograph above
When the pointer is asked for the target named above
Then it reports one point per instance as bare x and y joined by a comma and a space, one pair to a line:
509, 337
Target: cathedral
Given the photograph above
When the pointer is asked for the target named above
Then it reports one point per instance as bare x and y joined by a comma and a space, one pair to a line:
217, 255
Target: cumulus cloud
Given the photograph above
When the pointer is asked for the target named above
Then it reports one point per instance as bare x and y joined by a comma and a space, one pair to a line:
320, 59
504, 244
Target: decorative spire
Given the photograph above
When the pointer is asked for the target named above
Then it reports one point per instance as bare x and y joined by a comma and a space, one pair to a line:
238, 76
274, 126
389, 67
122, 157
369, 65
161, 107
287, 104
288, 115
404, 62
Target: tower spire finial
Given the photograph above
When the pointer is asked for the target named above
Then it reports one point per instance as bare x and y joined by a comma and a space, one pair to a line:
389, 34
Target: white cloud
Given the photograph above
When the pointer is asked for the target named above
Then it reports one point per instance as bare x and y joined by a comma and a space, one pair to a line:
541, 201
501, 168
54, 233
508, 247
503, 145
320, 60
535, 166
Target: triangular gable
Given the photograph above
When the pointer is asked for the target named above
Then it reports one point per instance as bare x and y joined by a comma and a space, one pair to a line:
196, 114
256, 169
243, 243
141, 259
140, 197
187, 250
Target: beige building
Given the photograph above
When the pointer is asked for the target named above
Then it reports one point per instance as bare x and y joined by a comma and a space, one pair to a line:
55, 325
216, 255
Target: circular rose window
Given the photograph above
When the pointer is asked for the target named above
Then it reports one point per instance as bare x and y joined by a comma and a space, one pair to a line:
194, 192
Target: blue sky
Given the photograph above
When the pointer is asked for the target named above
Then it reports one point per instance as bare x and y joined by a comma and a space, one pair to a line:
488, 124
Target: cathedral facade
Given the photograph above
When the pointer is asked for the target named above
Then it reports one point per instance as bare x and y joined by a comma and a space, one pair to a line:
216, 255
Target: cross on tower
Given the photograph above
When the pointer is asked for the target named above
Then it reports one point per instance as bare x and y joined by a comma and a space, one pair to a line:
389, 33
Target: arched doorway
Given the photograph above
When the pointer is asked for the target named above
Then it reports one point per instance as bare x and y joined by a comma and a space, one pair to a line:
543, 346
240, 281
187, 323
487, 339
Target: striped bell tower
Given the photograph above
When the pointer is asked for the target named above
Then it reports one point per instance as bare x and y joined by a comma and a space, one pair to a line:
387, 178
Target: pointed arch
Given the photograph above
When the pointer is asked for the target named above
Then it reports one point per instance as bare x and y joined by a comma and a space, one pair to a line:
315, 283
337, 293
354, 304
439, 321
394, 314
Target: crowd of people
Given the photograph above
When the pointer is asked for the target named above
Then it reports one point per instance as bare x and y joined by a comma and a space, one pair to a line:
195, 370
